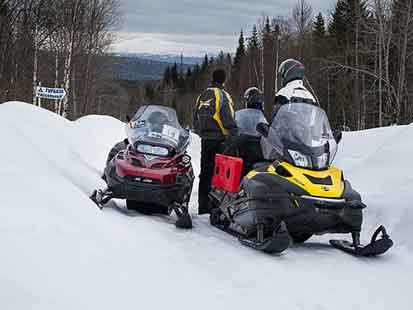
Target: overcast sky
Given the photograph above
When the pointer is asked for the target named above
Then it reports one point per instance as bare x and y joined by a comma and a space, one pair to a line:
195, 27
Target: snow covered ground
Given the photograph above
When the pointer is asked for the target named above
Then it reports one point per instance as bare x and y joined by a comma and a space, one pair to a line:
58, 251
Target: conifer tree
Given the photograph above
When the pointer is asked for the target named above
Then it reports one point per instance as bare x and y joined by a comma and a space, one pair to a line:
253, 41
205, 63
174, 75
338, 23
267, 27
188, 73
319, 29
240, 52
228, 59
344, 17
167, 76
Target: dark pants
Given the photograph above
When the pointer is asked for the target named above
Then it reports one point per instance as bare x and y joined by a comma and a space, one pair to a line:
209, 147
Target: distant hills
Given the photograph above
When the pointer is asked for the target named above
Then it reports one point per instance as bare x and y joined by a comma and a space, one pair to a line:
168, 58
145, 67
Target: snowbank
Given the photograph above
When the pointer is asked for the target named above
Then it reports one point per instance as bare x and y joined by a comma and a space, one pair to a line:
378, 163
58, 251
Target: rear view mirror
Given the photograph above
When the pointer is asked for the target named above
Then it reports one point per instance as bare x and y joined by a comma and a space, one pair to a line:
338, 135
263, 129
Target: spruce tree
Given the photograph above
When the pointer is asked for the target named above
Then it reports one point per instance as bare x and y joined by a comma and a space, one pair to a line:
267, 27
205, 63
188, 73
167, 76
344, 17
253, 41
240, 52
174, 75
221, 58
338, 23
228, 61
319, 29
196, 71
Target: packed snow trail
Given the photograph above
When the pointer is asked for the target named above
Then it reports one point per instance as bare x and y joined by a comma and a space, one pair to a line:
59, 251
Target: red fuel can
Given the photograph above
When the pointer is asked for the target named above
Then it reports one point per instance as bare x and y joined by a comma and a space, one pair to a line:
227, 173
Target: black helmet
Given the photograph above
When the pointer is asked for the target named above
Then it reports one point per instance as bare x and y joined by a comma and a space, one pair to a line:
219, 76
290, 70
157, 120
254, 98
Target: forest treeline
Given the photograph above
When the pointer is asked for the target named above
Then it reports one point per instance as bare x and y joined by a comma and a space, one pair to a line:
358, 60
58, 43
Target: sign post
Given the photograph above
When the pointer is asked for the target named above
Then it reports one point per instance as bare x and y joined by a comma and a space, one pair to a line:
39, 100
56, 94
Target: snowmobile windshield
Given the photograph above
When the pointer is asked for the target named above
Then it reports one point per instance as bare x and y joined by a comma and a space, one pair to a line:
247, 120
155, 130
301, 134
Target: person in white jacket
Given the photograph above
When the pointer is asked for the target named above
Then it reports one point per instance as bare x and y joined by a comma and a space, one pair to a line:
291, 76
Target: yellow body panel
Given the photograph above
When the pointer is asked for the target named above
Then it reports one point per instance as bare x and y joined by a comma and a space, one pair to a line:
298, 177
325, 191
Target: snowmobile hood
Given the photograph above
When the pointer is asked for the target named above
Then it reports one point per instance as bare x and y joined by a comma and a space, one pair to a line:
323, 184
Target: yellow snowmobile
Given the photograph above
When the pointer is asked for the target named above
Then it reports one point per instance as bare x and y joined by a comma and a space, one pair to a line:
296, 193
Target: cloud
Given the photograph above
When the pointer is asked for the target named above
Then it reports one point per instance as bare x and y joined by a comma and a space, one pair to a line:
161, 43
194, 24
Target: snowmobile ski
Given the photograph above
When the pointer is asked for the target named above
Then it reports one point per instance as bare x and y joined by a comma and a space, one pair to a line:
374, 248
101, 198
184, 221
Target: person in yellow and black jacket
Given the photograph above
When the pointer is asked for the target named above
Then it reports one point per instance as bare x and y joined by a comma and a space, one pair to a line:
213, 121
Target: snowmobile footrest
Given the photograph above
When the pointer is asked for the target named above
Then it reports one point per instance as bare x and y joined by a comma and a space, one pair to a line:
278, 242
374, 248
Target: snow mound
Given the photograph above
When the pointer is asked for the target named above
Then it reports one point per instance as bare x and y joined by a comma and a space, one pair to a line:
378, 163
58, 251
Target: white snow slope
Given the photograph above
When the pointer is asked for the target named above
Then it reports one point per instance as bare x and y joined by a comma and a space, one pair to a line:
59, 251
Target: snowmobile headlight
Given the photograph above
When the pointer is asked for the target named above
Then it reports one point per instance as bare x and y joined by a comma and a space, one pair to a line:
322, 161
300, 160
152, 150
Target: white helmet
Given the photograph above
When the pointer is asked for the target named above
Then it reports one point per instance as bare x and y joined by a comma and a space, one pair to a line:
290, 70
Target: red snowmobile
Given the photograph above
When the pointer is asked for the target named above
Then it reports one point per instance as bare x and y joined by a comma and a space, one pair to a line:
151, 168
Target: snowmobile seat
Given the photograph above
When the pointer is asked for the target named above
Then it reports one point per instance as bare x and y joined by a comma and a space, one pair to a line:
261, 165
227, 173
246, 147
